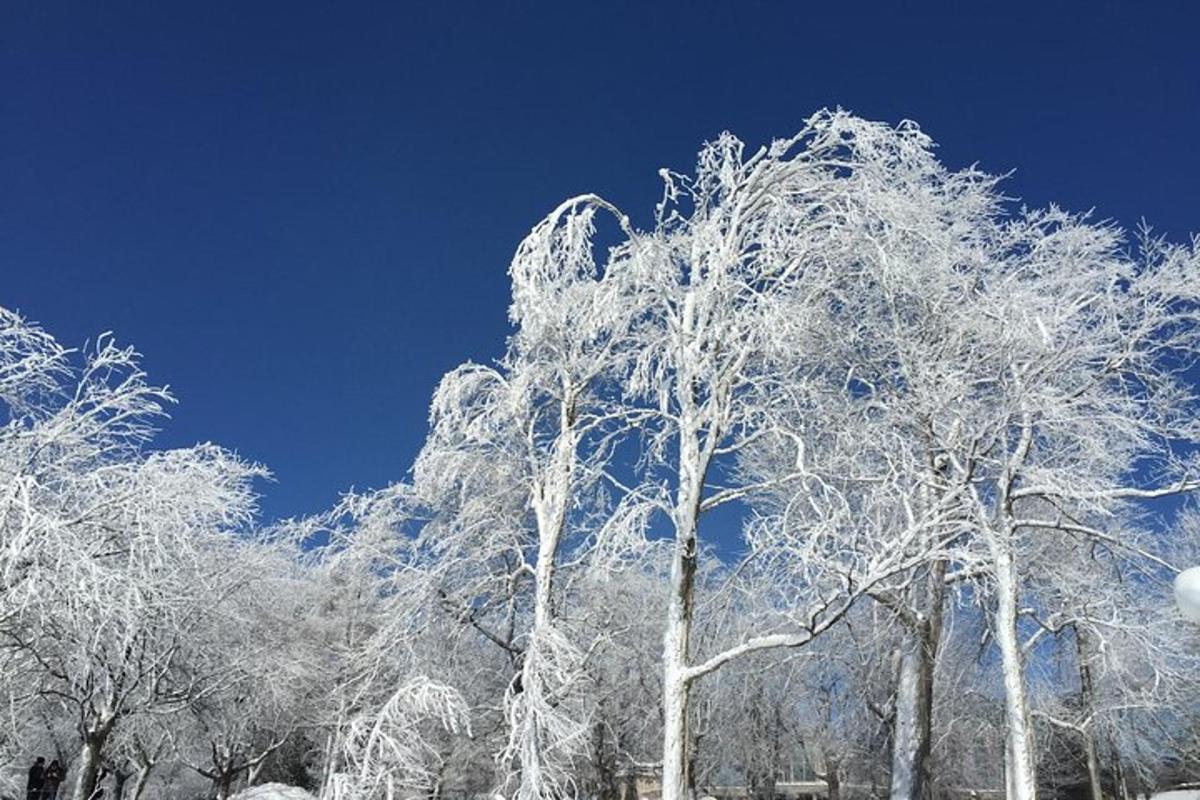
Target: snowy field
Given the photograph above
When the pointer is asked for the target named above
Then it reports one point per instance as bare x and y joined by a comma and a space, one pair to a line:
1177, 794
273, 791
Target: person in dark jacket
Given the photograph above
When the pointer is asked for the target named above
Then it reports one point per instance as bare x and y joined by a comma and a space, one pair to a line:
52, 779
37, 779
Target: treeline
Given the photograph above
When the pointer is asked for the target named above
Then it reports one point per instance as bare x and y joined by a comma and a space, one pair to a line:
844, 467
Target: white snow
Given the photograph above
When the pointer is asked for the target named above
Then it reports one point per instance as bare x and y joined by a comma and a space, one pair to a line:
1177, 794
273, 791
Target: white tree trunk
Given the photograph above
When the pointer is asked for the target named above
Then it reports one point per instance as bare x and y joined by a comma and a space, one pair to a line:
910, 737
331, 759
675, 703
139, 782
254, 771
1020, 764
527, 736
676, 644
551, 497
677, 637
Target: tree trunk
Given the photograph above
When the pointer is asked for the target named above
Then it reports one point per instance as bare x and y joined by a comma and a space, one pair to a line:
331, 765
676, 685
223, 785
527, 737
139, 783
1087, 689
89, 763
551, 497
678, 634
833, 779
675, 700
606, 765
1122, 781
630, 791
120, 779
913, 726
1093, 765
256, 768
910, 737
1020, 765
435, 790
685, 519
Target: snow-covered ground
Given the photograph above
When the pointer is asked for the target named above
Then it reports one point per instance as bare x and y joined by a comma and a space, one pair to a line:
1177, 794
273, 791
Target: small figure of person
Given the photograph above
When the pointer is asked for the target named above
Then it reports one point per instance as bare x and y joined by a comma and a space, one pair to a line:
37, 779
52, 779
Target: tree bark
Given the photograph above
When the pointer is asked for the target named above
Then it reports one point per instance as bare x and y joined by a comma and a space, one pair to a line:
120, 778
223, 785
676, 684
833, 779
910, 737
913, 726
1093, 765
685, 518
551, 497
89, 762
1020, 764
255, 771
677, 637
606, 765
1122, 780
1087, 688
675, 701
139, 783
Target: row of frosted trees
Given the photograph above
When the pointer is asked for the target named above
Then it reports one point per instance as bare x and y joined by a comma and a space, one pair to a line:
842, 467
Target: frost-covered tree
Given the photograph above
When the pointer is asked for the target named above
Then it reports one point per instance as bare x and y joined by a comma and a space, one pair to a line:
133, 753
105, 581
897, 413
67, 419
741, 289
559, 423
607, 601
116, 618
1034, 368
384, 709
510, 488
1079, 407
256, 667
891, 375
928, 424
1096, 607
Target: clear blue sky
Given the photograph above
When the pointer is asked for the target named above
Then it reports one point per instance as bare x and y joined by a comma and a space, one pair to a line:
302, 214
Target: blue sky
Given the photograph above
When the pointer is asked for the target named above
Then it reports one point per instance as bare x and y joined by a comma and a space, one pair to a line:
302, 214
